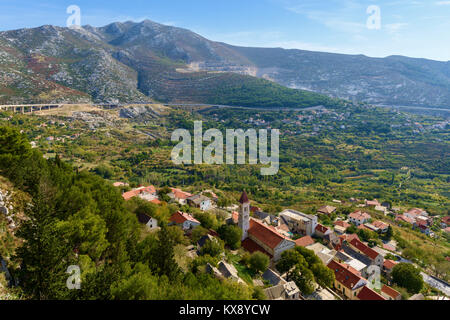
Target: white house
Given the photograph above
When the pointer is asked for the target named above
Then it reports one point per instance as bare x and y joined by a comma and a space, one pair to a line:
300, 222
184, 220
358, 217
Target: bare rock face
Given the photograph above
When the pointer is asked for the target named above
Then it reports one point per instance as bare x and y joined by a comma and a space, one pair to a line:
136, 62
4, 210
139, 113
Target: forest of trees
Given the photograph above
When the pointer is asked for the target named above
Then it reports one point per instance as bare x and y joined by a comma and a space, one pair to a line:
77, 218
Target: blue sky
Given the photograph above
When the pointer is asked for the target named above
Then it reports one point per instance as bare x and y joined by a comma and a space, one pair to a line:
415, 28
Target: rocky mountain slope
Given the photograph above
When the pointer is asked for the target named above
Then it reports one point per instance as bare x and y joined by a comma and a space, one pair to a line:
136, 62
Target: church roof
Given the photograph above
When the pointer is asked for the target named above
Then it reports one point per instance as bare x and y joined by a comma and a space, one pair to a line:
244, 198
267, 235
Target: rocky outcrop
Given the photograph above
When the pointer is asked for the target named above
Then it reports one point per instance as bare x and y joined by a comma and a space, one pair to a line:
139, 113
6, 209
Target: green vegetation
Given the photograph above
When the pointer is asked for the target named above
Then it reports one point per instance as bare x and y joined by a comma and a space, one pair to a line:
258, 262
305, 269
76, 218
407, 276
232, 235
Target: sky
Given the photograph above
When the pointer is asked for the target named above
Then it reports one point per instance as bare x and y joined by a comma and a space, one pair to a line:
376, 28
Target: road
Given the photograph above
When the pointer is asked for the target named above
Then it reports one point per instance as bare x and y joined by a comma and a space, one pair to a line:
435, 283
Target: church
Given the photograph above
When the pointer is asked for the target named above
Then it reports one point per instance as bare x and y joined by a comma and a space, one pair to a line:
256, 236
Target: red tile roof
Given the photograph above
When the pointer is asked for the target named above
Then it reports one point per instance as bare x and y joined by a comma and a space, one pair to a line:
344, 274
415, 211
359, 215
372, 202
155, 201
251, 246
133, 193
326, 209
342, 224
380, 225
369, 252
305, 241
180, 194
404, 219
255, 209
447, 229
368, 294
322, 229
446, 220
389, 264
180, 217
266, 234
244, 198
390, 292
348, 237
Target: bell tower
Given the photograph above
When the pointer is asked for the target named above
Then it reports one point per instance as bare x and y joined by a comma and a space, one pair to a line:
244, 215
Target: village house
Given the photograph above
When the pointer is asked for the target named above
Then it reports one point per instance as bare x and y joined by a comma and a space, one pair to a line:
285, 291
325, 254
179, 196
416, 212
341, 226
145, 193
184, 220
445, 222
273, 277
358, 217
150, 222
327, 210
120, 184
370, 227
390, 294
368, 294
300, 222
233, 219
224, 270
346, 282
204, 239
304, 241
375, 257
404, 219
388, 265
356, 266
422, 226
381, 209
199, 201
229, 272
211, 195
280, 289
382, 227
372, 203
331, 240
321, 231
256, 236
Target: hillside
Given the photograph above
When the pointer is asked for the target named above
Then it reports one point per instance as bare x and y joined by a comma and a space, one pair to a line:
139, 62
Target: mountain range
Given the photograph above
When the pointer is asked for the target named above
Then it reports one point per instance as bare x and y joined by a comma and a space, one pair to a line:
146, 61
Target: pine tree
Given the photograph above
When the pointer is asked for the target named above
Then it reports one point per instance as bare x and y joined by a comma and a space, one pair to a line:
44, 256
164, 257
